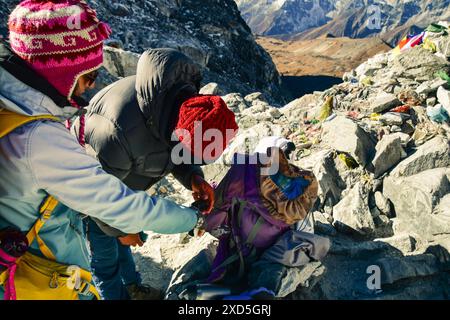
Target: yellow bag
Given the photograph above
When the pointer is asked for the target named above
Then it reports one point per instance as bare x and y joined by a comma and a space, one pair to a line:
37, 278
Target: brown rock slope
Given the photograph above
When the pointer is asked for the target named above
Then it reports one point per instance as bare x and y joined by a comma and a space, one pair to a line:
323, 56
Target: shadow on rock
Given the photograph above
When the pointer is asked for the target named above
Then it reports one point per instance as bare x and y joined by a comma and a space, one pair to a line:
153, 273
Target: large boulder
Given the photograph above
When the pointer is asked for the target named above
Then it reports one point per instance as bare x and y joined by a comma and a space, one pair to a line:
443, 96
431, 86
404, 242
299, 107
433, 154
389, 153
418, 63
415, 198
352, 213
120, 63
331, 184
382, 204
382, 102
211, 88
395, 269
344, 135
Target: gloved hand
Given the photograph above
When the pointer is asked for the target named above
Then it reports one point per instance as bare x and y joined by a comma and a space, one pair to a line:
199, 229
203, 191
131, 240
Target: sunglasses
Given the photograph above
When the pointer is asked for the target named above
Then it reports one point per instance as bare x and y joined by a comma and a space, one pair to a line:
92, 76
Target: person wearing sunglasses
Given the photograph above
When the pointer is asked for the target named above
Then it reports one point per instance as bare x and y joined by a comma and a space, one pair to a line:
43, 74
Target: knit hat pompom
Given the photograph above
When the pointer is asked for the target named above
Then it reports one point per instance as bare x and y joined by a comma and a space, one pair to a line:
60, 39
205, 112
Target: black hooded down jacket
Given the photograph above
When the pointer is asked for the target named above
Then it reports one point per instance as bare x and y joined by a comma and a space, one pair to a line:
129, 123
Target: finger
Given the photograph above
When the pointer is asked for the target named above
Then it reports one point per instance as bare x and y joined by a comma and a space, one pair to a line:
209, 209
201, 233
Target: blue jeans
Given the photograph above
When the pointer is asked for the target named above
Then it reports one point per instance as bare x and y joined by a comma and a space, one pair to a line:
112, 264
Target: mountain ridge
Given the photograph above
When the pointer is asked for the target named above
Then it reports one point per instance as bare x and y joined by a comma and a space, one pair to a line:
389, 20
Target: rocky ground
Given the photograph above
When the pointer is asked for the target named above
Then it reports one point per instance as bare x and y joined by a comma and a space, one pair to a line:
384, 177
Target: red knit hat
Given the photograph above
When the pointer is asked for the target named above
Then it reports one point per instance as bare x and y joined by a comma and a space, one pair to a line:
197, 116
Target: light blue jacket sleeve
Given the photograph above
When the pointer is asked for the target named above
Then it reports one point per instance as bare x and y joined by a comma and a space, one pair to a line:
61, 167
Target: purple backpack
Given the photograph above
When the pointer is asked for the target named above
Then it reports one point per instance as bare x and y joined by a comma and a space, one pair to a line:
241, 222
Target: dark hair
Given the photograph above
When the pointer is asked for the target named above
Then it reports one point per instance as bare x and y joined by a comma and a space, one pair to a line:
290, 147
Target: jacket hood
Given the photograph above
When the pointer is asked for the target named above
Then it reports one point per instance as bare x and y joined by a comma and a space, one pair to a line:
164, 79
25, 92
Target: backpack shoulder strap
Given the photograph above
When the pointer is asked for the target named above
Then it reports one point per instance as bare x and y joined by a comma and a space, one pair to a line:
45, 211
9, 121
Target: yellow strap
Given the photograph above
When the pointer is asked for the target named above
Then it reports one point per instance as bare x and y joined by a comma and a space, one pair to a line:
46, 211
9, 121
87, 281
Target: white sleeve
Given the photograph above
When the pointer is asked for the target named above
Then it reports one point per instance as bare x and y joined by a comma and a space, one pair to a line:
61, 167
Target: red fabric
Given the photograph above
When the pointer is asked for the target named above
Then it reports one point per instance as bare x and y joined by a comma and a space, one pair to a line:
209, 112
402, 109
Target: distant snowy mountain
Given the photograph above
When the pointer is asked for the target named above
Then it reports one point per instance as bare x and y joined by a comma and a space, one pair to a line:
309, 19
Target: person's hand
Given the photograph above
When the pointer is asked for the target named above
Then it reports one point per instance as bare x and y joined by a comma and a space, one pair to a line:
131, 240
203, 191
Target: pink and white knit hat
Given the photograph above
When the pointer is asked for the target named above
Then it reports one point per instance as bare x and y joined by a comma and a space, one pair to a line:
60, 39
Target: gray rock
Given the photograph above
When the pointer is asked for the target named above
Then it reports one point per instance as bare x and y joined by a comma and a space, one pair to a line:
444, 98
357, 250
415, 198
344, 135
274, 113
331, 184
235, 102
389, 153
418, 62
383, 204
395, 129
431, 102
430, 86
382, 102
443, 208
393, 118
120, 10
282, 280
211, 88
394, 269
120, 63
405, 243
404, 138
353, 212
297, 108
433, 154
255, 97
